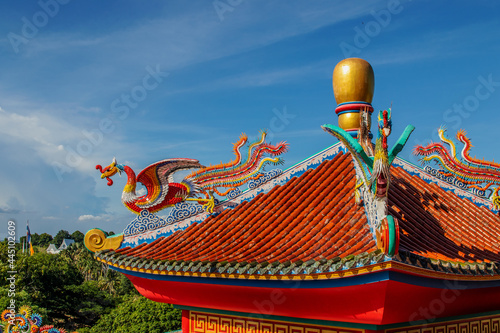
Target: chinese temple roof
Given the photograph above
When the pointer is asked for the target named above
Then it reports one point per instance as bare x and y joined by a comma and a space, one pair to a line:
349, 224
312, 225
291, 223
438, 224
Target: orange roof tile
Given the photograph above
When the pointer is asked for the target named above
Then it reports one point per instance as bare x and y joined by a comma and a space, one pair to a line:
309, 218
438, 224
314, 217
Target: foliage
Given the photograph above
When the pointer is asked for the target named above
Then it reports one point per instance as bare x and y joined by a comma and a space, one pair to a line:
56, 284
42, 240
138, 314
3, 251
111, 281
75, 291
78, 236
61, 235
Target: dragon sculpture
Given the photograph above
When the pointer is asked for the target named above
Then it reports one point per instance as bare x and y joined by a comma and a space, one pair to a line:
375, 169
25, 322
476, 175
163, 192
373, 175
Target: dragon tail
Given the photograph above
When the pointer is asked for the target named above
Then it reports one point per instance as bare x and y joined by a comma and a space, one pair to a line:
240, 171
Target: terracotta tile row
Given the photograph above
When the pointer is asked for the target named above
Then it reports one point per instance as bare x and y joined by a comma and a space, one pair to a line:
438, 224
313, 216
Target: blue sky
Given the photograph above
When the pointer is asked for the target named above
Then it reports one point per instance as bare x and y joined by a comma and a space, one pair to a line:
84, 81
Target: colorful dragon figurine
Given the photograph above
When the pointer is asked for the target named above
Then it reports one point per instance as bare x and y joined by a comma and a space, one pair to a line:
470, 171
373, 176
25, 322
375, 172
163, 192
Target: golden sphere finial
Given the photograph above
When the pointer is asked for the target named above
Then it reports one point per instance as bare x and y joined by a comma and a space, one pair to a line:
353, 84
353, 81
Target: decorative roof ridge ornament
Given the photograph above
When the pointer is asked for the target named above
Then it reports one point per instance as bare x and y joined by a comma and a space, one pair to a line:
353, 85
199, 186
479, 177
97, 240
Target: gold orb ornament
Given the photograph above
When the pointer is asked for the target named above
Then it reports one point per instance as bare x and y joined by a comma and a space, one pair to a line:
353, 81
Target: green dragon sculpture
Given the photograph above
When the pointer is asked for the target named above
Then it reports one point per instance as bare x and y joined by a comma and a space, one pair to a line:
373, 177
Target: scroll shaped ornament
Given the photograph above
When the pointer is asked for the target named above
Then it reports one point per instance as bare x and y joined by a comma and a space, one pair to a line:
373, 178
97, 240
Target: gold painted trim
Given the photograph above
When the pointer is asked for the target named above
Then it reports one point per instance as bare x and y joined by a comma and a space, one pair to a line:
432, 325
322, 276
339, 328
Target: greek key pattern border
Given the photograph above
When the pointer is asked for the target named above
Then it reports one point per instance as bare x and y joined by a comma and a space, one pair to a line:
213, 323
474, 325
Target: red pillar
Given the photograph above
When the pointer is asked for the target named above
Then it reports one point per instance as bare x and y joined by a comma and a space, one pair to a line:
185, 321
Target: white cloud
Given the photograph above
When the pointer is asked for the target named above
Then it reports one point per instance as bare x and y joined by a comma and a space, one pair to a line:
93, 218
56, 140
51, 218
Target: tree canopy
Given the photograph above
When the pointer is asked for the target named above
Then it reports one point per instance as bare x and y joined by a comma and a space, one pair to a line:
42, 240
139, 314
74, 291
78, 236
61, 235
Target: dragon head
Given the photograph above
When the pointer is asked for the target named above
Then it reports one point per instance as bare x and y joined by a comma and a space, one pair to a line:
385, 122
384, 126
110, 171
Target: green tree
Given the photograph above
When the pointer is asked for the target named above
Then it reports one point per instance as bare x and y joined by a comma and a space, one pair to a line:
138, 314
78, 236
45, 278
56, 284
44, 240
92, 303
61, 235
109, 280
